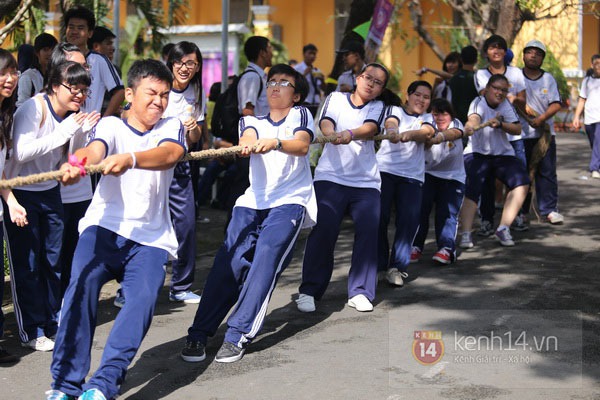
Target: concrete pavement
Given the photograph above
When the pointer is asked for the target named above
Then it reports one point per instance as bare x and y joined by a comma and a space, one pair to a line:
502, 323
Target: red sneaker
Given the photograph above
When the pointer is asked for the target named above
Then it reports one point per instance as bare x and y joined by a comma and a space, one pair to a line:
415, 254
443, 256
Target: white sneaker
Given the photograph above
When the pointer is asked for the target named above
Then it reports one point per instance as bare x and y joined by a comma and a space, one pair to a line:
595, 174
40, 344
555, 218
361, 303
305, 303
395, 277
466, 242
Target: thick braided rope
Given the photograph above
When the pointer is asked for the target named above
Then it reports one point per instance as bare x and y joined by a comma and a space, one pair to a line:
196, 155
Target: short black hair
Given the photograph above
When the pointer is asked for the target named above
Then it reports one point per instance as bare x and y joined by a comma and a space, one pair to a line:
81, 13
452, 57
495, 39
254, 45
495, 78
69, 71
442, 105
148, 68
468, 55
300, 83
595, 57
44, 40
309, 47
100, 35
415, 84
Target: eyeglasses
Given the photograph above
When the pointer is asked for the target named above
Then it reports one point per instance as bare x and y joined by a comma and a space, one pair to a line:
74, 91
13, 74
372, 80
189, 64
273, 84
500, 89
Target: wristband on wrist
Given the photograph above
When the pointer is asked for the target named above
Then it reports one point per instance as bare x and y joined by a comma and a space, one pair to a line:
279, 144
134, 159
351, 133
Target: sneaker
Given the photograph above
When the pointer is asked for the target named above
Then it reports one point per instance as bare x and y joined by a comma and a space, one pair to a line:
485, 229
466, 242
555, 218
57, 395
396, 277
305, 303
203, 220
229, 353
361, 303
92, 394
119, 299
503, 235
6, 357
193, 352
595, 174
520, 224
40, 344
443, 256
184, 297
415, 254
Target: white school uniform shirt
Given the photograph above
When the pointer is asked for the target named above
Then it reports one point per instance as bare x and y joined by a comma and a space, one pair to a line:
38, 148
445, 160
135, 205
541, 92
184, 103
352, 164
277, 178
104, 79
590, 90
31, 82
346, 78
249, 87
516, 84
403, 159
491, 141
314, 95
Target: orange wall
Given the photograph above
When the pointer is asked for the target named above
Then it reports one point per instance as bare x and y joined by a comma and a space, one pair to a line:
308, 21
591, 37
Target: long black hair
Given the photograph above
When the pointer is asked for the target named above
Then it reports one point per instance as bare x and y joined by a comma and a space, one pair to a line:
7, 106
179, 51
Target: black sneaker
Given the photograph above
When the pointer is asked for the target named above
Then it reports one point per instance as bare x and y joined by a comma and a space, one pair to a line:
229, 353
193, 352
6, 357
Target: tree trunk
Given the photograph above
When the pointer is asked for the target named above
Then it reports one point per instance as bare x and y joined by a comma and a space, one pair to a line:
360, 12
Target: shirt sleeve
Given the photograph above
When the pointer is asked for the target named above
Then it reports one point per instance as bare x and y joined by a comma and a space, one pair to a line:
583, 89
302, 120
25, 89
480, 80
330, 111
508, 112
248, 90
553, 93
26, 143
108, 74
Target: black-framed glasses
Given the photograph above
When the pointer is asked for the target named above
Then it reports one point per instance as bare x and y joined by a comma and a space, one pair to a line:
273, 84
13, 74
75, 91
372, 80
190, 64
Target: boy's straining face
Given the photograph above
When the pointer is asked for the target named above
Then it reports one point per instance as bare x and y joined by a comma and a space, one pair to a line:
148, 101
281, 90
